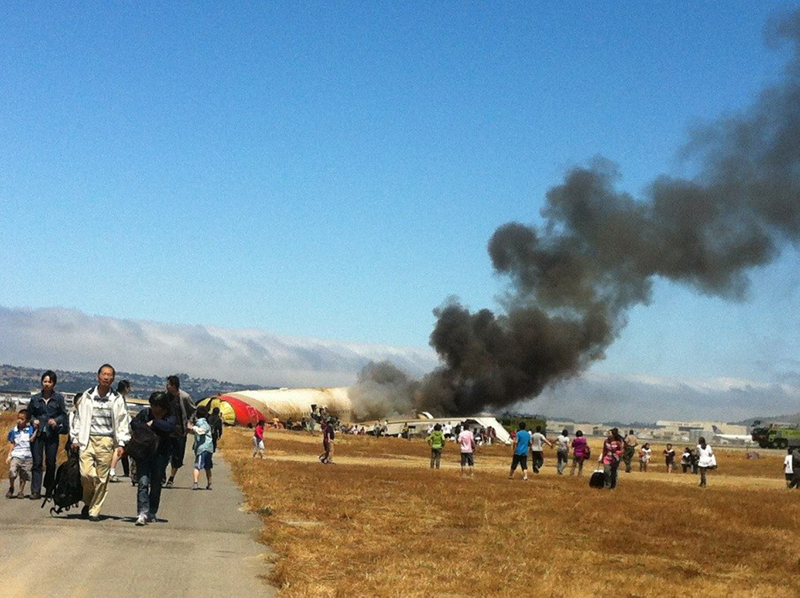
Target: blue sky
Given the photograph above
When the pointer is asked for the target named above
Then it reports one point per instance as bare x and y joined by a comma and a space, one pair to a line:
335, 170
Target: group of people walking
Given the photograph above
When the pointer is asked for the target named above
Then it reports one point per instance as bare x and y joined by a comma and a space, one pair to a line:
616, 450
101, 432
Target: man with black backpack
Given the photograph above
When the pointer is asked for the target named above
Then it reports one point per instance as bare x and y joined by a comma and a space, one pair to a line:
183, 408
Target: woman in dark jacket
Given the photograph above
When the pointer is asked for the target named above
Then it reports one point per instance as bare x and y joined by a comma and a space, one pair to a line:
151, 469
48, 413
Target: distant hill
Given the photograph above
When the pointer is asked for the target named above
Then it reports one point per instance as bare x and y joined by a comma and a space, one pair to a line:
18, 378
793, 418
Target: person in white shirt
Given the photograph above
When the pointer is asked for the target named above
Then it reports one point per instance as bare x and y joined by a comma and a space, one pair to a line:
562, 451
788, 470
537, 450
100, 426
466, 440
706, 460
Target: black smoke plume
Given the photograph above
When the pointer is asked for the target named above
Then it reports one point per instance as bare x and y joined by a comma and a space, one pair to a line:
574, 279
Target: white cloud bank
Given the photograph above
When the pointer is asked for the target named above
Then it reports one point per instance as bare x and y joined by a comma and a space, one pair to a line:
68, 339
612, 397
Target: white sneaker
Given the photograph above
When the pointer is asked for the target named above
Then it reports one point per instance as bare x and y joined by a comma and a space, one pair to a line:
141, 519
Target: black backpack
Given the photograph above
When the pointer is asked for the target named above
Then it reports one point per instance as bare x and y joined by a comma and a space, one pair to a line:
68, 491
597, 480
143, 443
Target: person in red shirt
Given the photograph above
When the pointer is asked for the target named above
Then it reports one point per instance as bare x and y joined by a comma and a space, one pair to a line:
611, 456
258, 440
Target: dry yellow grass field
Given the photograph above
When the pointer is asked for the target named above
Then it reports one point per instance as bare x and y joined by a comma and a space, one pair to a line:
380, 521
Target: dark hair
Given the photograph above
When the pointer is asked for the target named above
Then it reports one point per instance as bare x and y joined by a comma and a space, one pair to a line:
202, 411
174, 381
521, 425
615, 434
701, 440
107, 365
565, 432
215, 411
50, 374
438, 427
161, 400
261, 422
579, 433
27, 415
123, 385
538, 428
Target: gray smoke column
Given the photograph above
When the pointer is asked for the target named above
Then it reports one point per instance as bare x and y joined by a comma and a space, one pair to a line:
382, 390
574, 279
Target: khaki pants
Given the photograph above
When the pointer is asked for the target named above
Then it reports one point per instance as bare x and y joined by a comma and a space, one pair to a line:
95, 466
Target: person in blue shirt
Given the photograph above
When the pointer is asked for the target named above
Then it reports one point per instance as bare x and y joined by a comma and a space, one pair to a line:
203, 447
19, 456
521, 443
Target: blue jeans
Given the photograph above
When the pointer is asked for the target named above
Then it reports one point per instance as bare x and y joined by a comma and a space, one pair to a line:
44, 450
150, 474
610, 471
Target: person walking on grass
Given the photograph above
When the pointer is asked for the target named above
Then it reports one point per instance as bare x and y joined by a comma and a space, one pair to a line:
706, 460
258, 439
436, 442
686, 460
328, 436
537, 449
788, 469
151, 469
123, 388
631, 442
99, 427
466, 441
20, 458
48, 413
795, 468
183, 408
644, 457
522, 441
203, 447
611, 456
669, 458
562, 451
580, 452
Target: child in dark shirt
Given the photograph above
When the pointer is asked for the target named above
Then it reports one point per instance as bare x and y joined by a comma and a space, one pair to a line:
669, 458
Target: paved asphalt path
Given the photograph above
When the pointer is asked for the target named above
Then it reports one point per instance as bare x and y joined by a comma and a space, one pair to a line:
203, 547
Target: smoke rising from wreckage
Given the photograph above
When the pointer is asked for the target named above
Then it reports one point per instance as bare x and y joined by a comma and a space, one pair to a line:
573, 280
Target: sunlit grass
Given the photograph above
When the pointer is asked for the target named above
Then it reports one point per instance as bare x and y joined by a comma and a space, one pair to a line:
381, 521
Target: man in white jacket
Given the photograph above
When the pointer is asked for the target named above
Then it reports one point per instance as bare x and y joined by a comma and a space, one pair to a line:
99, 426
